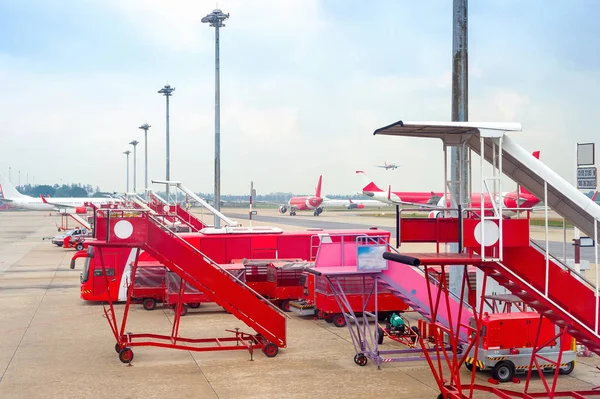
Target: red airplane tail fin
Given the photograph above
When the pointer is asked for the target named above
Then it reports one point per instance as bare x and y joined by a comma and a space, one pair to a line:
43, 199
523, 191
318, 192
594, 196
369, 185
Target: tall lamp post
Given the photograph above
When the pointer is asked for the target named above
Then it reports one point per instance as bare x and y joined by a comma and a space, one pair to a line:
134, 143
127, 153
216, 19
145, 128
167, 91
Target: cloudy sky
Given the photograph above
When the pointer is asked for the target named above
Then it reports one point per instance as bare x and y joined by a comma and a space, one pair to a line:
304, 84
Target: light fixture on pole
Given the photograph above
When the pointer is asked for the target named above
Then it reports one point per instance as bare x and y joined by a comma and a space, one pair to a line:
134, 143
216, 19
167, 91
127, 153
145, 128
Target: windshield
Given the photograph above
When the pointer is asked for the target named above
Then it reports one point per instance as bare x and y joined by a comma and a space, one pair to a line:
86, 266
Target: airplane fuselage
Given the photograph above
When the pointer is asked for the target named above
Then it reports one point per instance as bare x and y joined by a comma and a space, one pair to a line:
305, 203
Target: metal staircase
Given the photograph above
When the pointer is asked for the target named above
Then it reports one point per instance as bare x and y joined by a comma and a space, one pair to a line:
569, 300
143, 230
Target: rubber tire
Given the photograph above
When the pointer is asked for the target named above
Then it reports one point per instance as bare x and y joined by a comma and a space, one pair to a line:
149, 303
339, 320
380, 335
117, 347
360, 359
285, 306
469, 366
270, 350
415, 329
59, 244
503, 371
126, 355
79, 247
184, 310
194, 305
568, 370
329, 318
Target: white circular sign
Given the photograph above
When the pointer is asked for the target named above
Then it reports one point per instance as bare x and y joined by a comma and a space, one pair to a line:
491, 233
166, 208
123, 229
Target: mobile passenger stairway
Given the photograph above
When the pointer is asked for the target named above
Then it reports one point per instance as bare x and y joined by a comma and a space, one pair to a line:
146, 230
502, 249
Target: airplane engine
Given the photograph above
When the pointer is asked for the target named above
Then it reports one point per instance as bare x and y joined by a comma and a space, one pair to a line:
435, 214
282, 209
360, 206
80, 210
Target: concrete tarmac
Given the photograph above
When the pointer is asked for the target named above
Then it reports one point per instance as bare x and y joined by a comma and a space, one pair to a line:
54, 345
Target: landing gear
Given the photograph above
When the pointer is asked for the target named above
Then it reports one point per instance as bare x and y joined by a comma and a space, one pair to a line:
318, 211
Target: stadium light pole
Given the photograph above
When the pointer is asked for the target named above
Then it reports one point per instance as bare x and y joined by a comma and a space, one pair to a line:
134, 143
127, 153
216, 19
167, 91
145, 128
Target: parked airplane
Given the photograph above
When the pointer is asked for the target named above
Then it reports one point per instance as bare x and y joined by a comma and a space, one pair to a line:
404, 198
14, 199
353, 204
388, 166
511, 200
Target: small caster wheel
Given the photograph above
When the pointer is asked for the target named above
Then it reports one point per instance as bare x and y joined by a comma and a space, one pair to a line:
360, 359
149, 304
118, 347
79, 247
270, 350
126, 355
285, 306
339, 320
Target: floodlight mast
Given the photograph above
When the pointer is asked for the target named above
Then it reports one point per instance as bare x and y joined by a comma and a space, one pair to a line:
145, 128
167, 91
216, 19
127, 153
134, 143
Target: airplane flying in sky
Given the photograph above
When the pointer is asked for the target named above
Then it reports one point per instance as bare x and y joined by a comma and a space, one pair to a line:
511, 200
14, 199
388, 166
